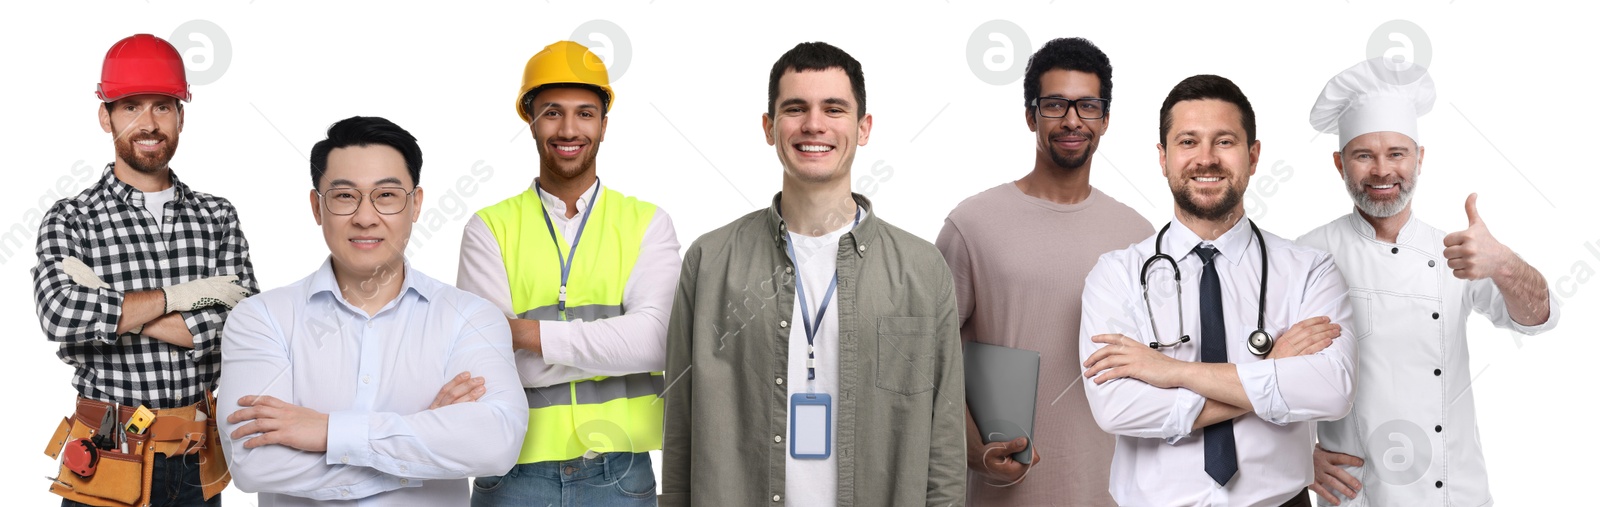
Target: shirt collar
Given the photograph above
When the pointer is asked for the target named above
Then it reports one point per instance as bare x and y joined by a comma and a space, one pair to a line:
134, 196
1231, 244
323, 281
559, 207
861, 235
1365, 229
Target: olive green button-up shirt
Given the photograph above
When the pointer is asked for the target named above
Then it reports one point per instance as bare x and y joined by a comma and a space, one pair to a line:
901, 437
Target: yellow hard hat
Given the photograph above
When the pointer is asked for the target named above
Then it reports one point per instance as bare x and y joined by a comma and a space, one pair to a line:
564, 62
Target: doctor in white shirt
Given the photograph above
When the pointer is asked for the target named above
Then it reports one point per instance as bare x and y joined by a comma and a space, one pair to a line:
1414, 440
1207, 421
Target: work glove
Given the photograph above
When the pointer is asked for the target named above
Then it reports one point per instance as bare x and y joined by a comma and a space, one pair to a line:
81, 273
210, 291
84, 275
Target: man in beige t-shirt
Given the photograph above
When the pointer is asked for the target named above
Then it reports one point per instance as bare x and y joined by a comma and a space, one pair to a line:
1019, 253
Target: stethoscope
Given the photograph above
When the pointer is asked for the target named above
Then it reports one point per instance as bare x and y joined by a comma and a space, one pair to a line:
1260, 342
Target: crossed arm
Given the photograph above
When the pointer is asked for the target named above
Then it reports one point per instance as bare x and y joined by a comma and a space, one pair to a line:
1308, 376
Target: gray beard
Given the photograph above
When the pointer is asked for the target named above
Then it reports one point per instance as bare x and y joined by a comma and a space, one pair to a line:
1382, 209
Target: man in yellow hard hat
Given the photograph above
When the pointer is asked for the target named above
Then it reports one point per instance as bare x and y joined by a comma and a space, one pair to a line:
586, 276
135, 278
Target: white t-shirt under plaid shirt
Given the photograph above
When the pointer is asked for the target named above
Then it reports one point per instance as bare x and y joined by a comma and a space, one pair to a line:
108, 228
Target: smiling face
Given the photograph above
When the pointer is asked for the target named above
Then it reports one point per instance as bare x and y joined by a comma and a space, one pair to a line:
366, 244
1380, 170
144, 129
1069, 142
568, 126
1207, 159
815, 129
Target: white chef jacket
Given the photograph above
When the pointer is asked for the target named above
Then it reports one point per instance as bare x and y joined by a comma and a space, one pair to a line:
1413, 420
1160, 456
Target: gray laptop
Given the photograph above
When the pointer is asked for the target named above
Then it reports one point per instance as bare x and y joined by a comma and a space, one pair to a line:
1002, 384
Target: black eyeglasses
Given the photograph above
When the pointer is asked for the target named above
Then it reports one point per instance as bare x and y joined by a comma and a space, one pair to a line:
345, 201
1088, 108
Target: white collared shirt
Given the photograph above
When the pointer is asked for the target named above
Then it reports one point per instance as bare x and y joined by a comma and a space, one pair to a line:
633, 342
1159, 458
375, 377
1415, 426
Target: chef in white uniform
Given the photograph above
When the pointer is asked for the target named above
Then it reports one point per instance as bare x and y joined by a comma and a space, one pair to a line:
1412, 437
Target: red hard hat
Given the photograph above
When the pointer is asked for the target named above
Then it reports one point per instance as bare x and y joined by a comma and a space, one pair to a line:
142, 64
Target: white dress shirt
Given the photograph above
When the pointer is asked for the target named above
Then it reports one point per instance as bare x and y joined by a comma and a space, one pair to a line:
630, 343
1159, 458
1417, 429
375, 378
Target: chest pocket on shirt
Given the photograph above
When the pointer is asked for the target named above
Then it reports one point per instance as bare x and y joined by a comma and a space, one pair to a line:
905, 354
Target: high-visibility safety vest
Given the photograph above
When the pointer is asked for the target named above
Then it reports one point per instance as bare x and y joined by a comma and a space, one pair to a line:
602, 414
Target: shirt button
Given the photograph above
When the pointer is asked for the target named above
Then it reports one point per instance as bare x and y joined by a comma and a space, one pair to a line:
174, 356
1437, 372
1430, 264
861, 248
1438, 429
783, 323
1438, 484
779, 380
344, 493
1394, 250
788, 269
345, 459
1435, 315
366, 379
776, 498
777, 439
405, 482
369, 323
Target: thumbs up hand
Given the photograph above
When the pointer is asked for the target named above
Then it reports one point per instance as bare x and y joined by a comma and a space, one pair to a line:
1474, 254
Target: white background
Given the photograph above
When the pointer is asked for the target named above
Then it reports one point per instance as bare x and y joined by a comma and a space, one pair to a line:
1515, 112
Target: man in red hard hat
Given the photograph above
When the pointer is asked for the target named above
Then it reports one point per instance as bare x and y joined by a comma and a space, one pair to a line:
135, 278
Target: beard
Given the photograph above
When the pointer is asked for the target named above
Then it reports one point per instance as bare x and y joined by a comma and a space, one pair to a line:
1382, 209
568, 169
147, 163
1186, 200
1074, 161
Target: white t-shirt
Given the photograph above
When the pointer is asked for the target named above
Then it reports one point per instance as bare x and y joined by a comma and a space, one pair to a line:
156, 203
811, 482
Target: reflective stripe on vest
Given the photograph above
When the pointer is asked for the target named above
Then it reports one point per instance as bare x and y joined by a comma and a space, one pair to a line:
586, 313
596, 391
602, 414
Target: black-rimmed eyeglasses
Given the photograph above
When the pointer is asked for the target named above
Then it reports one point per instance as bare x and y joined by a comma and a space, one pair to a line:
1091, 108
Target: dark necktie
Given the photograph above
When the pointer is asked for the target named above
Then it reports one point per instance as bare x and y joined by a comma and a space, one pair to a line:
1222, 461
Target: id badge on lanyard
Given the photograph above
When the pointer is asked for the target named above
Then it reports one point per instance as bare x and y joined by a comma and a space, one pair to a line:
810, 426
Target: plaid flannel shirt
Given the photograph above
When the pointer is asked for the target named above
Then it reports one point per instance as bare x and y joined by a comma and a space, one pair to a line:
108, 228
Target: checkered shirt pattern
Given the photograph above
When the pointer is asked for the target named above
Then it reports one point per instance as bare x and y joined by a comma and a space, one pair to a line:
108, 228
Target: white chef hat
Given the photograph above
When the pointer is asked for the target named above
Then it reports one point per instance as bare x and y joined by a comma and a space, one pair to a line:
1374, 97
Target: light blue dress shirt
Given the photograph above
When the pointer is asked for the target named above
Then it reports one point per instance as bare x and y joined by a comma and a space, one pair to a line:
375, 378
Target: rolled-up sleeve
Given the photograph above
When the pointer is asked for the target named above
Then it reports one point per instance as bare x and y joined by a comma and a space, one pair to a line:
1315, 387
1486, 298
1128, 407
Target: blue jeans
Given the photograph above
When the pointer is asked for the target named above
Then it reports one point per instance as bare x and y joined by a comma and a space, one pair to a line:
610, 479
174, 482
